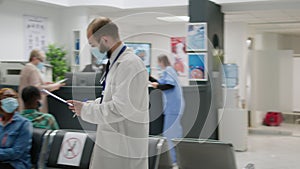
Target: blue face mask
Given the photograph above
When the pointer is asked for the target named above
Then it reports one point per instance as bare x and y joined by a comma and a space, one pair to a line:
9, 105
100, 56
40, 66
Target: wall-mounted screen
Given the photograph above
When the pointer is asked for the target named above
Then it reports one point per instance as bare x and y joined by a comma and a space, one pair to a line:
143, 50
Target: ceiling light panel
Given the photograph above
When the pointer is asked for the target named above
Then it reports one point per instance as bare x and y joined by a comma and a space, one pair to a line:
174, 18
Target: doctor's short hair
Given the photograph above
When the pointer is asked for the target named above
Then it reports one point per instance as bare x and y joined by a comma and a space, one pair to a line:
35, 53
103, 26
164, 60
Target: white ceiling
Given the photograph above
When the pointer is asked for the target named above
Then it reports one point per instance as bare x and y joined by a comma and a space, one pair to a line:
274, 16
282, 16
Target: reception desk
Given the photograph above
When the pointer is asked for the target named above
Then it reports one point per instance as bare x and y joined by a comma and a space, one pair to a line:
199, 119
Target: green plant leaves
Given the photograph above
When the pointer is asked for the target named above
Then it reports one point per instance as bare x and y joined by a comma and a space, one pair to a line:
56, 57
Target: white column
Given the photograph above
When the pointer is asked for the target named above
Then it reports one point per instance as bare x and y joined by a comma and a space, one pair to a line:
235, 49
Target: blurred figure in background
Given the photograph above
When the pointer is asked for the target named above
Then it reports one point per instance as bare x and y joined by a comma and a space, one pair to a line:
31, 75
173, 101
15, 133
31, 97
98, 63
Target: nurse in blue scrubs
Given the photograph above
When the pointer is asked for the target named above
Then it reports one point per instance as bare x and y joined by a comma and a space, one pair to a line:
173, 101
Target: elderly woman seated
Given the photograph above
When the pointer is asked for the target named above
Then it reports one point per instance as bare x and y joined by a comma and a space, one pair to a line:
15, 133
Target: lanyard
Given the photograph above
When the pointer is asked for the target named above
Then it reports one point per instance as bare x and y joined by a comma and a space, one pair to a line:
108, 66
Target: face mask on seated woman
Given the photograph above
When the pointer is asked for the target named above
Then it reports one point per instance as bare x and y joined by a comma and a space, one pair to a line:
9, 105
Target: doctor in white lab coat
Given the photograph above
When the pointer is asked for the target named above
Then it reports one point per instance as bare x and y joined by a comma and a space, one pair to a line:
122, 113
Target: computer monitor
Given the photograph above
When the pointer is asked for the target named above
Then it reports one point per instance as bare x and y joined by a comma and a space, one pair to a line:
83, 78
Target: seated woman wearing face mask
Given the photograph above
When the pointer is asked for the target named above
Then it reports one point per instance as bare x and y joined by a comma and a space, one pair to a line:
15, 133
31, 97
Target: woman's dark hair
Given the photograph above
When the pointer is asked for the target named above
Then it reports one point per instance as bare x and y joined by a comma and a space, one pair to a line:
30, 95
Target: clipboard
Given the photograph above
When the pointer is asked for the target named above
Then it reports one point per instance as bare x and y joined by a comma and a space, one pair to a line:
56, 97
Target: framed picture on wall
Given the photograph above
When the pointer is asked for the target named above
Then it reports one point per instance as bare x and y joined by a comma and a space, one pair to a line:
196, 37
197, 66
143, 50
179, 61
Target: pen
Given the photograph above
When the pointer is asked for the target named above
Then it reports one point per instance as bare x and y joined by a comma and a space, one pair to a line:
84, 100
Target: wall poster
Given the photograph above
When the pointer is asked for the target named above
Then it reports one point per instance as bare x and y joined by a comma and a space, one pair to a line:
179, 58
198, 66
197, 37
35, 30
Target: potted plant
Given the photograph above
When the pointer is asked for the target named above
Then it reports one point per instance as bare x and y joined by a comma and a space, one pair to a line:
56, 57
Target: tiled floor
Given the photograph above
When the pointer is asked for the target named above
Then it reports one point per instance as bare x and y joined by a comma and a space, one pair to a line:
272, 150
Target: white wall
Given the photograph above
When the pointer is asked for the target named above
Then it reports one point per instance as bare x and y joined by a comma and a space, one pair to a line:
12, 27
61, 24
160, 39
286, 80
296, 84
292, 42
272, 80
75, 18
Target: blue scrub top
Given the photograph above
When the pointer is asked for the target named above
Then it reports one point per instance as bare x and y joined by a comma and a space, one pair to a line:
173, 98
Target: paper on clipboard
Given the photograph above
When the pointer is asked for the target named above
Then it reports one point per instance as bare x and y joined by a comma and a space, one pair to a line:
62, 81
56, 97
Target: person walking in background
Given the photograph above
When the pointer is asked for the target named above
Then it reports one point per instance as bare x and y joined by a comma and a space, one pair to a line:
172, 99
15, 133
31, 97
122, 112
31, 75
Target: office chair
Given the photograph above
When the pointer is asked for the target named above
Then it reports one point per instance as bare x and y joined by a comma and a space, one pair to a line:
204, 154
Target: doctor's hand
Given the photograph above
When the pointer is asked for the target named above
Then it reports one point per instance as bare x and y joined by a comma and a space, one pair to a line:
77, 106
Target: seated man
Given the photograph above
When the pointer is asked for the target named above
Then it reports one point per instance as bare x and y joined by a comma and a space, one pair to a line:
15, 133
31, 97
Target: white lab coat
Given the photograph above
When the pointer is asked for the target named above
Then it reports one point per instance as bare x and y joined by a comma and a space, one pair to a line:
122, 118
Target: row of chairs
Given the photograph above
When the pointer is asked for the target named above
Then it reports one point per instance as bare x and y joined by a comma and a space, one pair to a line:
46, 146
191, 153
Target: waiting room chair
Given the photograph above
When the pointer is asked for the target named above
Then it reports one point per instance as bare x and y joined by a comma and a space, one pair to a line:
55, 142
204, 154
159, 157
38, 137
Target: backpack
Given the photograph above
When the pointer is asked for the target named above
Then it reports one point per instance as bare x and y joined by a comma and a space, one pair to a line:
273, 119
